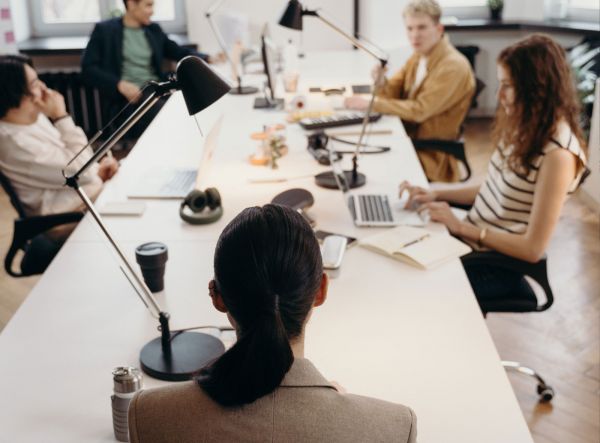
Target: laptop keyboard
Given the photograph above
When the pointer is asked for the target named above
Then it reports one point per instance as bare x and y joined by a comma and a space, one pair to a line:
181, 182
375, 208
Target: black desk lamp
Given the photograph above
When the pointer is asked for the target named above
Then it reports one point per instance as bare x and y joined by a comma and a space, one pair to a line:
239, 90
173, 356
292, 18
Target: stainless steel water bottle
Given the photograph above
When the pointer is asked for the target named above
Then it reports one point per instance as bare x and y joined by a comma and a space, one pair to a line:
127, 381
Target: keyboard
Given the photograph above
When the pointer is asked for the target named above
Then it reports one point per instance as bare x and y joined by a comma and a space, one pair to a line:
369, 209
344, 119
181, 182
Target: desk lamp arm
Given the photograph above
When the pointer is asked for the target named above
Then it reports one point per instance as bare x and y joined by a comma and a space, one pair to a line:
382, 59
140, 287
160, 90
209, 17
138, 284
365, 122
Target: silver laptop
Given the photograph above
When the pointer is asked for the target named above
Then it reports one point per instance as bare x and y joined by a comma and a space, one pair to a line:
177, 183
366, 209
373, 209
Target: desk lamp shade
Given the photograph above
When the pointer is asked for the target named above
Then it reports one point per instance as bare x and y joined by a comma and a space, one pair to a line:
292, 16
200, 85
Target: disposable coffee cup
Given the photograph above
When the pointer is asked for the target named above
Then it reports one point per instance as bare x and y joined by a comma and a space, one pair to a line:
152, 258
290, 81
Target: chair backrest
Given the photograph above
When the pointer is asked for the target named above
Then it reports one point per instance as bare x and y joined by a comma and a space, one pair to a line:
479, 87
14, 198
84, 103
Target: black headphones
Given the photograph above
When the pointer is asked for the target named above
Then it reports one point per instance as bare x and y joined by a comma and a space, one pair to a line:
317, 146
198, 201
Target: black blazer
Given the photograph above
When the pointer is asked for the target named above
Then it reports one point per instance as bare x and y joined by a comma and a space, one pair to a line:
103, 57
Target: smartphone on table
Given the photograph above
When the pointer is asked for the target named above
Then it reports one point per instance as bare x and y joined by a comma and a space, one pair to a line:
322, 234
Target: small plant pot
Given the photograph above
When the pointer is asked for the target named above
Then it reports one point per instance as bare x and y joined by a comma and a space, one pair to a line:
496, 14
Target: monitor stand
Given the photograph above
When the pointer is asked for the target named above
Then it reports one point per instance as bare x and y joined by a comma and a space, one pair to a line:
266, 103
243, 90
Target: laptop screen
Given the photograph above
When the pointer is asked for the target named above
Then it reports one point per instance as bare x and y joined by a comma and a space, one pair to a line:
210, 145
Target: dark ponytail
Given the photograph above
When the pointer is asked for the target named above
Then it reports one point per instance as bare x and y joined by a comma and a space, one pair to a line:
268, 270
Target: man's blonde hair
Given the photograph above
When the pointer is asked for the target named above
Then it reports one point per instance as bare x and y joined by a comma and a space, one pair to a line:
427, 7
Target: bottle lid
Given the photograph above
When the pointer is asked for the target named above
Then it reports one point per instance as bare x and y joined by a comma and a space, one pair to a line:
127, 379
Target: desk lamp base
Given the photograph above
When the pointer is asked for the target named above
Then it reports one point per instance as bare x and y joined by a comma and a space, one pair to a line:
243, 90
190, 352
327, 180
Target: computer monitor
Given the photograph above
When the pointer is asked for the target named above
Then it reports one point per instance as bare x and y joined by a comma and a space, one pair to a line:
269, 54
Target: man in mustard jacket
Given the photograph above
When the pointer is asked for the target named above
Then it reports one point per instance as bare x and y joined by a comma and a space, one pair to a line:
432, 92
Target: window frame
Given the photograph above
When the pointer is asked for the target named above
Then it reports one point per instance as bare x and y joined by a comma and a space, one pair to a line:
587, 15
40, 28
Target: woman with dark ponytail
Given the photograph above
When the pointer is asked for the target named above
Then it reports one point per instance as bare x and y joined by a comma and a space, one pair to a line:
268, 276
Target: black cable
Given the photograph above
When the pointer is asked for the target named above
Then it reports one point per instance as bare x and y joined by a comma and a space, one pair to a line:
375, 149
176, 332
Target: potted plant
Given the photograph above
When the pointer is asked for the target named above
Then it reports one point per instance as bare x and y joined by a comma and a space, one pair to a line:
495, 9
584, 59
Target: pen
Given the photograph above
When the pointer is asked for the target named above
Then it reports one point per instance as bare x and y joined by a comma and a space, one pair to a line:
414, 241
278, 179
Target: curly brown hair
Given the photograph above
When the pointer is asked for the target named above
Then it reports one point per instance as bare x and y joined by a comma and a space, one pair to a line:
544, 95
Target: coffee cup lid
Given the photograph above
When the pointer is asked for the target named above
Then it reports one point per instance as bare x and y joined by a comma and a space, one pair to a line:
151, 253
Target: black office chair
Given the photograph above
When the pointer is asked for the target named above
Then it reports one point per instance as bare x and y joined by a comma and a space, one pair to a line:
29, 236
522, 300
455, 148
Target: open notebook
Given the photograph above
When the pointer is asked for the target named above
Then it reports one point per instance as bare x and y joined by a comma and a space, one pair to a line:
416, 246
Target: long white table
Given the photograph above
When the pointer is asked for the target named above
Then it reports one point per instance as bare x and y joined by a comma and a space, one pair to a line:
387, 330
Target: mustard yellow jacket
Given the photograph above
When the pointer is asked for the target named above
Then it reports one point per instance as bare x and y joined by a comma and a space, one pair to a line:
436, 108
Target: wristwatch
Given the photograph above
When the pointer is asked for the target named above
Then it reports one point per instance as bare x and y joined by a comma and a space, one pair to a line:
482, 235
54, 120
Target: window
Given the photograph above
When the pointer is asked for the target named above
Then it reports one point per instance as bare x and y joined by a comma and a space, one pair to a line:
164, 11
584, 10
464, 8
77, 17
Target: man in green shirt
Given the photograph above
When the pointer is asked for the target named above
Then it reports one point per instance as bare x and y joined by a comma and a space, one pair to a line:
124, 53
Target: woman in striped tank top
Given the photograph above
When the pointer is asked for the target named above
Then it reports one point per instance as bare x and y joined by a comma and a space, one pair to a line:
539, 160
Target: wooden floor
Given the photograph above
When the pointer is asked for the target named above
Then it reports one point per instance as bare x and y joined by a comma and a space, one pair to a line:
563, 343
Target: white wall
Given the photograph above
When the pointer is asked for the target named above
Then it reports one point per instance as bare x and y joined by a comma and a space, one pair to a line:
316, 36
20, 16
591, 187
523, 10
491, 44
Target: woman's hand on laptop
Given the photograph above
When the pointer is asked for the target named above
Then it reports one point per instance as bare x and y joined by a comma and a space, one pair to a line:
442, 213
417, 196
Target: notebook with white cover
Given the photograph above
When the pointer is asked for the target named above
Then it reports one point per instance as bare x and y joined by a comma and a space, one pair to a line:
416, 246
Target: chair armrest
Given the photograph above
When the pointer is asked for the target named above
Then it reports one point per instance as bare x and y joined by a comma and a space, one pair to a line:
27, 228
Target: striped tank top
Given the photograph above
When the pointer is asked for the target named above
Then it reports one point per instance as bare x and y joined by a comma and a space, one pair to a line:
505, 199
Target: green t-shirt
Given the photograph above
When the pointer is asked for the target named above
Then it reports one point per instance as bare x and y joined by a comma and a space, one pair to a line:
137, 57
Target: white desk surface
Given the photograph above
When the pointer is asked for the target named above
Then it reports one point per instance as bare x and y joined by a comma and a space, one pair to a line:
387, 330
